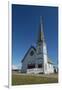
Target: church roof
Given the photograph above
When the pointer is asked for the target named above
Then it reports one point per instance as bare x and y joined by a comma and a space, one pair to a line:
49, 61
28, 52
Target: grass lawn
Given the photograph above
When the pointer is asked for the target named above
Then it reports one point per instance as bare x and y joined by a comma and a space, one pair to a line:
32, 79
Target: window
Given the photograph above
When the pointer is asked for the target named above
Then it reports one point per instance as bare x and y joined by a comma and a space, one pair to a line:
31, 53
30, 66
39, 65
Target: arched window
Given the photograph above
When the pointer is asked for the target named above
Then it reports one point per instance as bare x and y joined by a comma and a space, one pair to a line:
32, 53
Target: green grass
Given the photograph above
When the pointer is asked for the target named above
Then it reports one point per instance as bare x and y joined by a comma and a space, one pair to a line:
29, 79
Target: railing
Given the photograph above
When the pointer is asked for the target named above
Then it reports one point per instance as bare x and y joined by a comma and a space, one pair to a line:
35, 70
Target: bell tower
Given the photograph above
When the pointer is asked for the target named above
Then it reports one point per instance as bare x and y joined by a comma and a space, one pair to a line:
41, 49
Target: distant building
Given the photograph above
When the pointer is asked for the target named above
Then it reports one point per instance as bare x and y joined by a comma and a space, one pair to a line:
36, 59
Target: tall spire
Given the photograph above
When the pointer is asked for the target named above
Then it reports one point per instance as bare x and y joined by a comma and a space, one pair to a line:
40, 33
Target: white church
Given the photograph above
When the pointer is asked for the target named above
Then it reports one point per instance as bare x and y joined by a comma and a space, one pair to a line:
36, 60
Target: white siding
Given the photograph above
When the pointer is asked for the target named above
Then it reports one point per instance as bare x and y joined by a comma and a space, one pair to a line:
28, 60
45, 58
50, 68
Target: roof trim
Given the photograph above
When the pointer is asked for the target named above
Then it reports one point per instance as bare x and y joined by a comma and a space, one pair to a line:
49, 61
28, 52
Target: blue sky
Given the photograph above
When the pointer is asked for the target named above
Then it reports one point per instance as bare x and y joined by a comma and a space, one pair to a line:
25, 26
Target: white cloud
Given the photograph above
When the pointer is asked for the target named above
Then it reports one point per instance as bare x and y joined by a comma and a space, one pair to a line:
14, 67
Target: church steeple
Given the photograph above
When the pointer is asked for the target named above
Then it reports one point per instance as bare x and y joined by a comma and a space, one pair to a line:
40, 33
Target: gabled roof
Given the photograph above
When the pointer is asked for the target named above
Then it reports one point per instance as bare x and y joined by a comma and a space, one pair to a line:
49, 61
28, 52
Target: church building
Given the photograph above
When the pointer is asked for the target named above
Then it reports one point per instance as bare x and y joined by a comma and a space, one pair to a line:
36, 60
